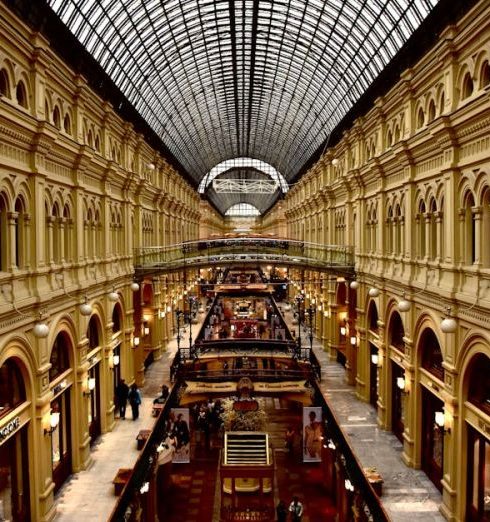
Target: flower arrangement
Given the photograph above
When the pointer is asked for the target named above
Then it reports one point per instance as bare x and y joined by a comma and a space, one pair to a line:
243, 420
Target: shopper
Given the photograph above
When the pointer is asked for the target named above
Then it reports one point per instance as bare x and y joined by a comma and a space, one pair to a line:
134, 397
122, 391
282, 511
296, 510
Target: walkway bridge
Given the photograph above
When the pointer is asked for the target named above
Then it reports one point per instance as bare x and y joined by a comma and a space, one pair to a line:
245, 250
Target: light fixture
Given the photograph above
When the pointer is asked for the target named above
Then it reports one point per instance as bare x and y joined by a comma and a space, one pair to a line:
134, 286
150, 166
146, 330
54, 420
90, 386
169, 308
353, 340
319, 307
86, 307
354, 285
331, 445
348, 485
440, 420
343, 330
373, 292
400, 382
136, 341
325, 314
335, 162
403, 304
113, 296
448, 324
375, 359
116, 360
41, 329
161, 314
145, 488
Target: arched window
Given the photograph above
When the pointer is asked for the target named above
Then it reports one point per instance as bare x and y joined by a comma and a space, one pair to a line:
12, 390
396, 332
469, 250
420, 223
442, 103
433, 229
4, 244
116, 319
479, 383
485, 75
90, 139
57, 117
420, 118
4, 83
60, 360
431, 354
67, 124
21, 94
373, 317
485, 232
389, 139
97, 143
397, 134
467, 86
20, 233
432, 110
93, 333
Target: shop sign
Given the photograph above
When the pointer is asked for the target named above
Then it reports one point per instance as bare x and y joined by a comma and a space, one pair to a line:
9, 428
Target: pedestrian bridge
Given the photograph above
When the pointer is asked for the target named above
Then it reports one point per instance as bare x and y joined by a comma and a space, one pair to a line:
245, 250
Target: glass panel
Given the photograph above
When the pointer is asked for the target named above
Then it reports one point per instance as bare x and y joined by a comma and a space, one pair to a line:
476, 472
218, 79
486, 482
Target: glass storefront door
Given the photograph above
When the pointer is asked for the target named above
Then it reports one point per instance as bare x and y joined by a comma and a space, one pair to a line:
94, 406
14, 479
60, 440
478, 493
433, 438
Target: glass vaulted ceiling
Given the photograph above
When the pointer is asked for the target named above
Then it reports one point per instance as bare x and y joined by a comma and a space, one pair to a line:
245, 78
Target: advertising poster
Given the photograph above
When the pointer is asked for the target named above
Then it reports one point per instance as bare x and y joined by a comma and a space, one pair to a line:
312, 434
182, 436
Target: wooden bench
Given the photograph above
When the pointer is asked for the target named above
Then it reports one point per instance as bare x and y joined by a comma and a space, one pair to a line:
121, 479
375, 480
156, 409
141, 438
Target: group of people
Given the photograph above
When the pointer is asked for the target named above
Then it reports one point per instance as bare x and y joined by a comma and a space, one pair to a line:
125, 394
295, 509
132, 394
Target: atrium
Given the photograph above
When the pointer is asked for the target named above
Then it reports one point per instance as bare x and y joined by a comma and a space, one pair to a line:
272, 212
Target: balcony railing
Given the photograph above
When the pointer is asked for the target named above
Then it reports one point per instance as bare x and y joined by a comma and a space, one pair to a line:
244, 250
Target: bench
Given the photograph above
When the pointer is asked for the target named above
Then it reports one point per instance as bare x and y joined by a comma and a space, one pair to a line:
375, 480
156, 409
121, 479
141, 438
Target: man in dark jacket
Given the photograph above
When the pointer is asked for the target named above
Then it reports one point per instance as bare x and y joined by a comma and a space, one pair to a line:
122, 391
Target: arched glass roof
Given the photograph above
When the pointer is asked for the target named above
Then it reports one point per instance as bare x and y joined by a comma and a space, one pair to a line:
242, 210
265, 79
240, 163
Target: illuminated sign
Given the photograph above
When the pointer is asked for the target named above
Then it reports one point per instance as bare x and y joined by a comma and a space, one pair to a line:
9, 428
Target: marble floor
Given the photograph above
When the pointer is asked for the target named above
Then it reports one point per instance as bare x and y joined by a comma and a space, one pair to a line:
408, 495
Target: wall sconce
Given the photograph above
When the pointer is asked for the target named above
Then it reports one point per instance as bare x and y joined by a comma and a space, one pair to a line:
319, 307
401, 383
169, 308
441, 423
54, 420
150, 166
373, 292
134, 286
146, 330
41, 329
375, 360
354, 285
113, 296
335, 162
343, 330
161, 314
116, 359
89, 387
136, 341
326, 314
353, 340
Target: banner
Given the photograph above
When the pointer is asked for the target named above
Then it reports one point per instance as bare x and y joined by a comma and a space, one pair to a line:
312, 434
181, 434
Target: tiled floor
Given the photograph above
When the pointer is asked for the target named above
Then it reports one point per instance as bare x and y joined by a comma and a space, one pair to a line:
408, 495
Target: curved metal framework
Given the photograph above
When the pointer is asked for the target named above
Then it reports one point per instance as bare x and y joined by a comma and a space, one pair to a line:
242, 210
251, 78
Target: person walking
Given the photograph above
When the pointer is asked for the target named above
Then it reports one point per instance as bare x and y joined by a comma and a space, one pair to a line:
296, 510
134, 397
282, 511
122, 391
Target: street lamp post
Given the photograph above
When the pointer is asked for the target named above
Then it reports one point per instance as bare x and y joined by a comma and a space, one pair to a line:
179, 314
299, 300
311, 315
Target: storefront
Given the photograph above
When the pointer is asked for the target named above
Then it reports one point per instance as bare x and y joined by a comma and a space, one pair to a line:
14, 420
